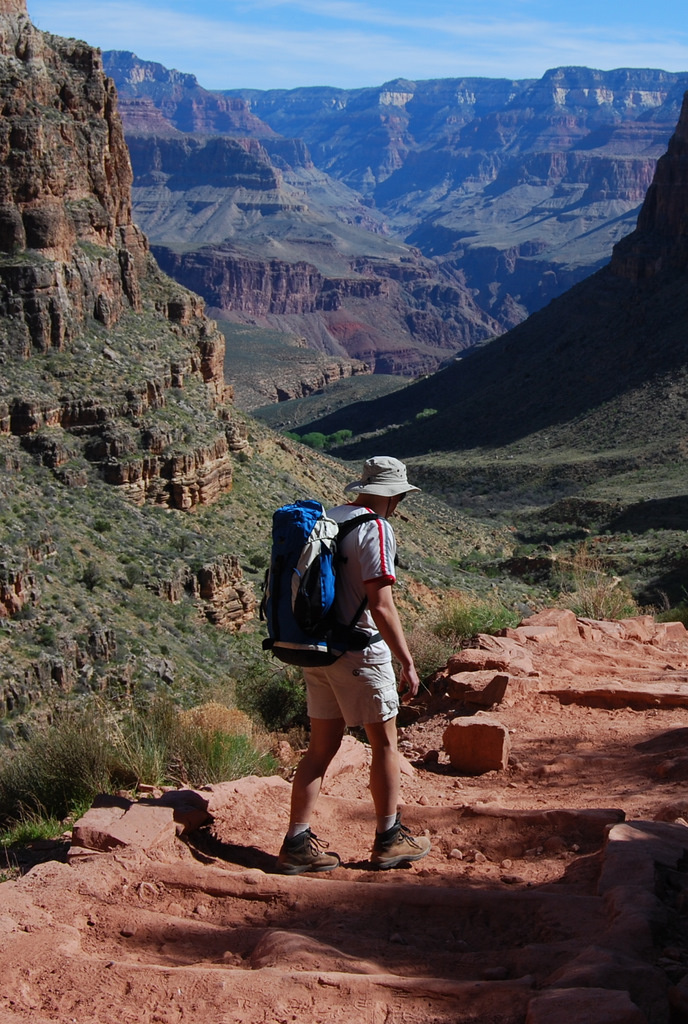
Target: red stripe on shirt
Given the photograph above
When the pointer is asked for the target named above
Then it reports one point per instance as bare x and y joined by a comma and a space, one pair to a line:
383, 563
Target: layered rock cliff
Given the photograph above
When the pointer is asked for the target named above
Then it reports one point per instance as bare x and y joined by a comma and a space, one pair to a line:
522, 187
145, 87
64, 192
115, 418
601, 371
515, 190
260, 232
76, 274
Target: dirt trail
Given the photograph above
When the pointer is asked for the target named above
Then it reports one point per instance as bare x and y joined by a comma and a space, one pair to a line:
556, 890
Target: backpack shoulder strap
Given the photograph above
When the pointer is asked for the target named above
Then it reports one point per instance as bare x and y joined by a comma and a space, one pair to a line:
345, 528
348, 525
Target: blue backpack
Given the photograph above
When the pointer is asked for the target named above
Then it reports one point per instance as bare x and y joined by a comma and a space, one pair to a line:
299, 589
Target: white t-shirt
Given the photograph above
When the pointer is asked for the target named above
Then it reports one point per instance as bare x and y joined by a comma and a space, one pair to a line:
369, 551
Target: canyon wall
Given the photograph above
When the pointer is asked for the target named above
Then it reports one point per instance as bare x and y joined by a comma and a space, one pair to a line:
264, 237
523, 187
77, 280
660, 242
76, 274
115, 418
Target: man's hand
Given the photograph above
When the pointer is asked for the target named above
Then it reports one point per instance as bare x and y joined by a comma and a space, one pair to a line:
386, 618
408, 683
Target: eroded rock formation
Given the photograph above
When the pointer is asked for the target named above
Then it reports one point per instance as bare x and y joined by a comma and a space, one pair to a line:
152, 95
109, 371
77, 281
255, 228
499, 179
65, 183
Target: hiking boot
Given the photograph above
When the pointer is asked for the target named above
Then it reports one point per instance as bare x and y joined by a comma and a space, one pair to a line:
305, 853
396, 846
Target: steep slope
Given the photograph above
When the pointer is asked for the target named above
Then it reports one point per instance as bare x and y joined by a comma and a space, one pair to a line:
601, 374
113, 405
76, 277
135, 500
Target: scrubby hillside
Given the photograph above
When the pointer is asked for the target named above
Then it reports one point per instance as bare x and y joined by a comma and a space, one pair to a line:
136, 499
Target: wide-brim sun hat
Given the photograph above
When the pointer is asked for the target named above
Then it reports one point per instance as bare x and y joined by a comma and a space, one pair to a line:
382, 475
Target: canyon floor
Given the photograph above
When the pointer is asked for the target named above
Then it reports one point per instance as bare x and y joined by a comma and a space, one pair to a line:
556, 890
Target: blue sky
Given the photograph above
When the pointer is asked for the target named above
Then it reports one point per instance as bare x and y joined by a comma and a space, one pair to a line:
347, 43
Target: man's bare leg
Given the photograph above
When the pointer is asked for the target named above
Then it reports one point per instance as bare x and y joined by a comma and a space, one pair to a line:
394, 845
385, 782
326, 737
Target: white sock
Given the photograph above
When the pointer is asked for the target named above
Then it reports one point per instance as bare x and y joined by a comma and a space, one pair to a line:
385, 824
297, 828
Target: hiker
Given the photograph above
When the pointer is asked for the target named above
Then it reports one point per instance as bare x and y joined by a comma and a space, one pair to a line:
359, 688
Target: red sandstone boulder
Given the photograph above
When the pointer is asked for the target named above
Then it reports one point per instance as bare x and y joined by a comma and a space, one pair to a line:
143, 826
480, 688
477, 745
513, 656
561, 619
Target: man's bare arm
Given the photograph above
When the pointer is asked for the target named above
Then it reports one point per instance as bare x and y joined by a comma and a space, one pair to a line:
386, 618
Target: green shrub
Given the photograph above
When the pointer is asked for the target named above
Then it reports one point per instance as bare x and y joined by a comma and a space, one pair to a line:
314, 440
61, 765
679, 613
31, 828
145, 741
276, 697
206, 757
339, 437
92, 576
133, 574
46, 634
463, 617
259, 559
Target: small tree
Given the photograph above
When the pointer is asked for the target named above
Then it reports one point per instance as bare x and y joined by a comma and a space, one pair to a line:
314, 440
339, 436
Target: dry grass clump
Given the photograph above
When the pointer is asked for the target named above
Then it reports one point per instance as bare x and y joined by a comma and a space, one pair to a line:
464, 616
430, 652
89, 750
215, 717
591, 591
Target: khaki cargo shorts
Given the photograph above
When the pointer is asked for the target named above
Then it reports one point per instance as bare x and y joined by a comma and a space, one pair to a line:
360, 694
